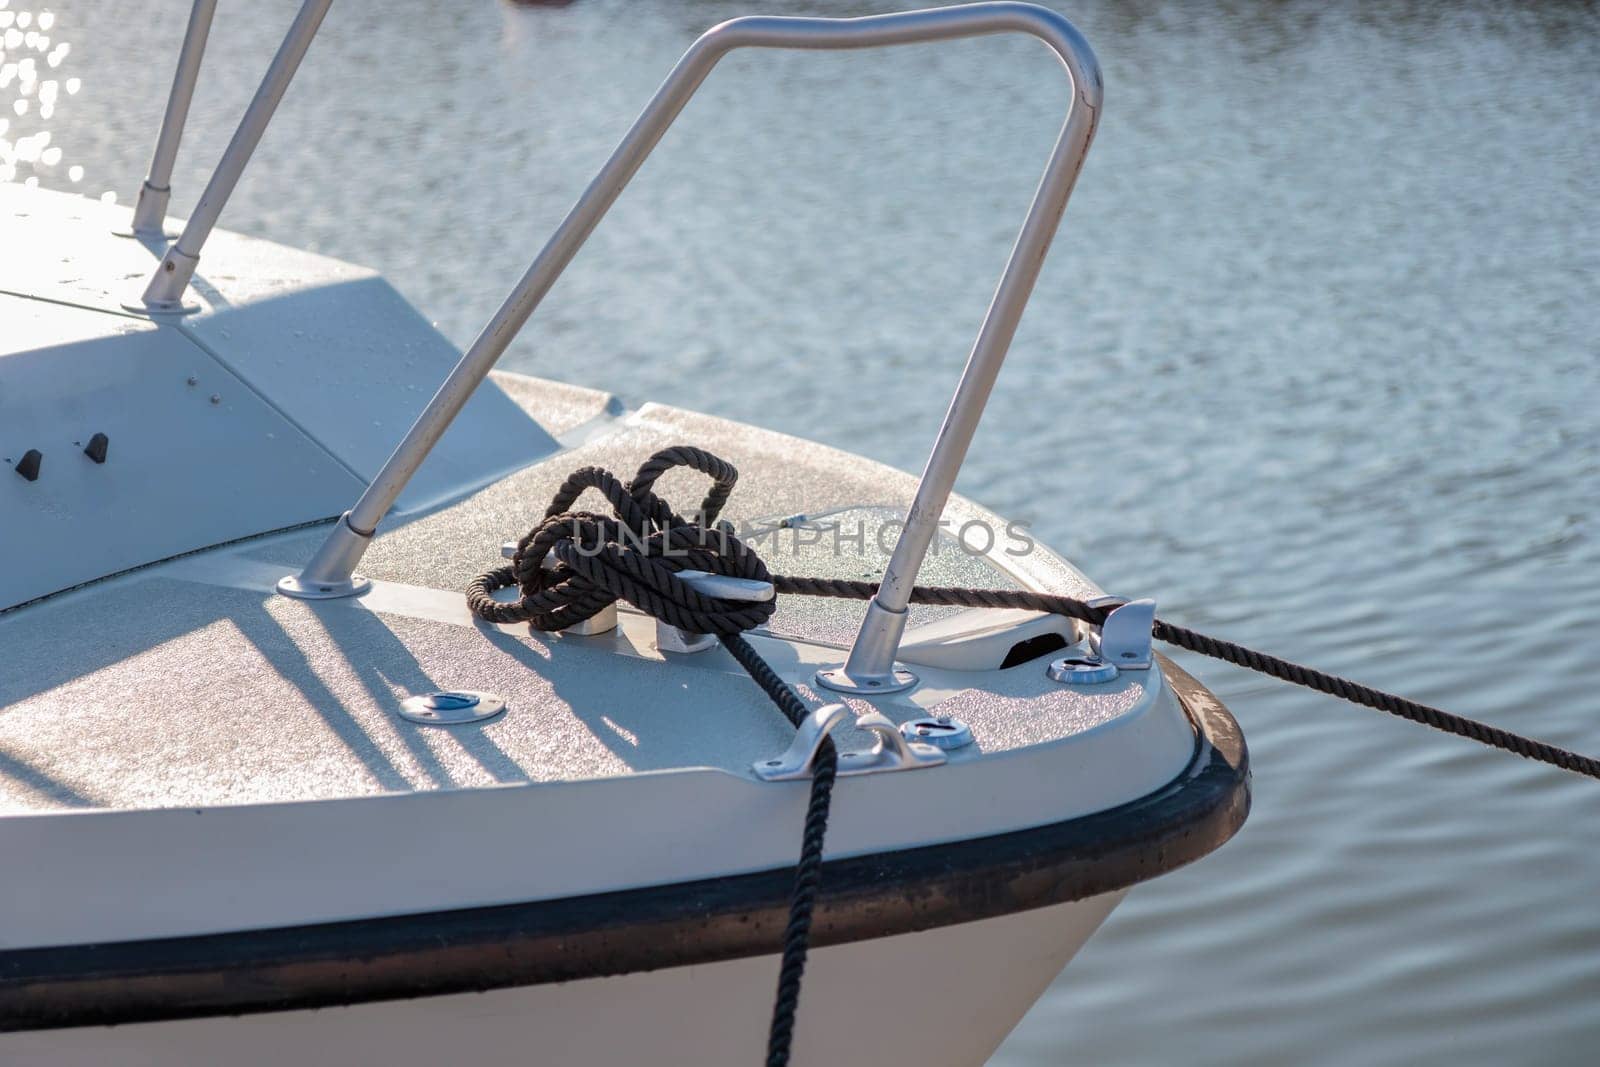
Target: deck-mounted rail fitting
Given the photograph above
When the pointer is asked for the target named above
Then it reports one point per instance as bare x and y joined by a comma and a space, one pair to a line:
150, 212
165, 291
870, 668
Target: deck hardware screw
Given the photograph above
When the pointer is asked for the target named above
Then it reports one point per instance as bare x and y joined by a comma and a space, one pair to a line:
215, 399
193, 380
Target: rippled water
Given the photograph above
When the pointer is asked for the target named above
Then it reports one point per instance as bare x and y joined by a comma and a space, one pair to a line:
1314, 363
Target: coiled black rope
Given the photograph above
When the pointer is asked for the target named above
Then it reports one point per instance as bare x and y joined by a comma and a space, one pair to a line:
576, 563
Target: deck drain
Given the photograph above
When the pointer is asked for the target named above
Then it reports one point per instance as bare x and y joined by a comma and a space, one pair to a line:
1082, 670
942, 732
451, 707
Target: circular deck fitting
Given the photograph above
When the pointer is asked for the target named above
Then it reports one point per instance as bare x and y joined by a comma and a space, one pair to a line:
836, 679
1081, 670
166, 237
137, 304
451, 707
293, 585
942, 732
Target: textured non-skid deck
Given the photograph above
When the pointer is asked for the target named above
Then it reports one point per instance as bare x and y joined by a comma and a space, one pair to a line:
184, 693
192, 684
779, 477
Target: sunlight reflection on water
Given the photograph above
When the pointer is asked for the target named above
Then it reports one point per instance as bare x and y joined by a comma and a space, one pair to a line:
32, 87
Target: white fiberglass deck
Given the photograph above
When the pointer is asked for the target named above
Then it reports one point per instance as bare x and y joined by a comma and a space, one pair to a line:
168, 722
192, 684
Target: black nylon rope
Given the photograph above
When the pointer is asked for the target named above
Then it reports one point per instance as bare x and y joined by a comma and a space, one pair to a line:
636, 554
1228, 652
808, 871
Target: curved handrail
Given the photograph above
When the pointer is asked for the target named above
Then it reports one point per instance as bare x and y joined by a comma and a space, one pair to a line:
331, 570
150, 212
165, 289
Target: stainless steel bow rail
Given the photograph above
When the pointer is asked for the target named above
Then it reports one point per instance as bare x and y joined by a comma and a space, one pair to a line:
150, 214
870, 668
165, 290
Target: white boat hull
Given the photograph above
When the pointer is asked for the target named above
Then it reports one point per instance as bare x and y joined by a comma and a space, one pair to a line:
231, 845
946, 996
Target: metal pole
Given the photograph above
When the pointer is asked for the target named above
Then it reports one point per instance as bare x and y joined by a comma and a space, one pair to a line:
150, 215
165, 291
870, 669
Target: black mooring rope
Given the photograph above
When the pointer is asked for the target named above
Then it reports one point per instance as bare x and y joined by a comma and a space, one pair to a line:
598, 560
1228, 652
575, 563
808, 870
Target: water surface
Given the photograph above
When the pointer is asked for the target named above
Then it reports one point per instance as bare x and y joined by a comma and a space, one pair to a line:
1314, 363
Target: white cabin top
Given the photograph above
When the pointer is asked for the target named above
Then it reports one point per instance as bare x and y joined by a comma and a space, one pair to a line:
271, 407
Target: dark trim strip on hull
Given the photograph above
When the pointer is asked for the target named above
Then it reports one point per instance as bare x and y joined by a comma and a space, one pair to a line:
477, 949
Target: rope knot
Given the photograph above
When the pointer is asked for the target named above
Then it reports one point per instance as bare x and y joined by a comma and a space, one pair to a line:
574, 564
